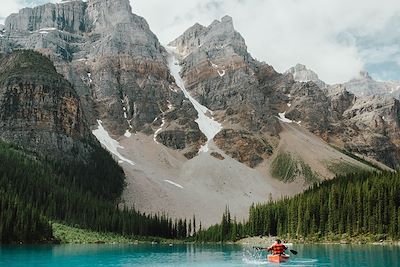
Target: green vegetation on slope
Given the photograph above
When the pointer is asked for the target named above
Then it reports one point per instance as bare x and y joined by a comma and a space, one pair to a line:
69, 234
343, 168
286, 168
363, 204
39, 190
366, 162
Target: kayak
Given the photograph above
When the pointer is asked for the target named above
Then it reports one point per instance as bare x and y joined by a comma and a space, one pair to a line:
278, 258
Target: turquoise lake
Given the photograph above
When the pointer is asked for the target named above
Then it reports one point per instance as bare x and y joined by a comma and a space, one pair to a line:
194, 255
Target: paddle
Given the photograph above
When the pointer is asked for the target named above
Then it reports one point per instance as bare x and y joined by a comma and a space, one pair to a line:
291, 250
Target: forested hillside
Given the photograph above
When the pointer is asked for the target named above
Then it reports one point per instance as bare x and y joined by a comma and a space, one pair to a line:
356, 204
35, 190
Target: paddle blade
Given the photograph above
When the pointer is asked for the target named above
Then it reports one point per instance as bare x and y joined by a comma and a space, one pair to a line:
293, 251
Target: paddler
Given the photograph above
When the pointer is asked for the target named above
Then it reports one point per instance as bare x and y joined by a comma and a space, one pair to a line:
278, 248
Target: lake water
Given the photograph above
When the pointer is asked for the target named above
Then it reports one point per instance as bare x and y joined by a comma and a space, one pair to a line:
194, 255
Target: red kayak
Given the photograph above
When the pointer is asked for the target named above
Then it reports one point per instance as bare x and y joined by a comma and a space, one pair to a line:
278, 258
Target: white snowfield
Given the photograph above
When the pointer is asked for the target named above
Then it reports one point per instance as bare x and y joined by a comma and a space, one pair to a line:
109, 143
207, 124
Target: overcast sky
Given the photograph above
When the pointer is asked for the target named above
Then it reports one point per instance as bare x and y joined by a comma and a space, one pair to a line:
336, 38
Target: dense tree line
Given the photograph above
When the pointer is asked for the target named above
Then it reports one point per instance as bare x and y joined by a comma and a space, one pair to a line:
100, 174
21, 222
38, 190
356, 204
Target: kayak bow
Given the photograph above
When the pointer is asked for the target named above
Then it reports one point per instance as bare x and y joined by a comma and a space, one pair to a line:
278, 258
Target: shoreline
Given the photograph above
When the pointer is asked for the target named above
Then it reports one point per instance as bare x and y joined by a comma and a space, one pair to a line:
267, 241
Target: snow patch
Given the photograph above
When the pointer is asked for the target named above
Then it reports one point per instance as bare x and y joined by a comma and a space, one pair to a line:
175, 184
90, 77
158, 131
289, 105
206, 122
48, 29
222, 73
173, 89
127, 133
43, 32
282, 117
170, 106
109, 143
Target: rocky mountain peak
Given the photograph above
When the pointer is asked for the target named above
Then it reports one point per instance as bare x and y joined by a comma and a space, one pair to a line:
105, 14
219, 35
301, 73
225, 25
365, 75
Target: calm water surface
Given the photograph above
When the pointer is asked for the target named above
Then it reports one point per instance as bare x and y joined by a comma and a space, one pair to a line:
194, 255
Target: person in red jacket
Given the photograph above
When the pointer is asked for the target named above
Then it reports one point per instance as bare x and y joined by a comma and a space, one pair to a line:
278, 248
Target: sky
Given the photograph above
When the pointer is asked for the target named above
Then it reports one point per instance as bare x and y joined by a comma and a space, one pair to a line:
337, 39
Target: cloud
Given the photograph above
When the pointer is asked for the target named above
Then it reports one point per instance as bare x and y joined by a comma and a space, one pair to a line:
335, 38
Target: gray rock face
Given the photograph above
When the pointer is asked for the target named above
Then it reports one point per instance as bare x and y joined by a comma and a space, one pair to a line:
373, 128
310, 105
115, 63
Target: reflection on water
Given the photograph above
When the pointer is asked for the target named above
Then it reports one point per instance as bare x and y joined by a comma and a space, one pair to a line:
194, 255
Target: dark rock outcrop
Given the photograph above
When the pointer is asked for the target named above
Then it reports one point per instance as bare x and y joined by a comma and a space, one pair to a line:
39, 109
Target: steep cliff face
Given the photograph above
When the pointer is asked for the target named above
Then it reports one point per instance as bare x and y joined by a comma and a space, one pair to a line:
68, 17
115, 63
39, 109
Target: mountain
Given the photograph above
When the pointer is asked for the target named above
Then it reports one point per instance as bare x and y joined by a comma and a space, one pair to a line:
199, 125
362, 85
365, 85
366, 124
